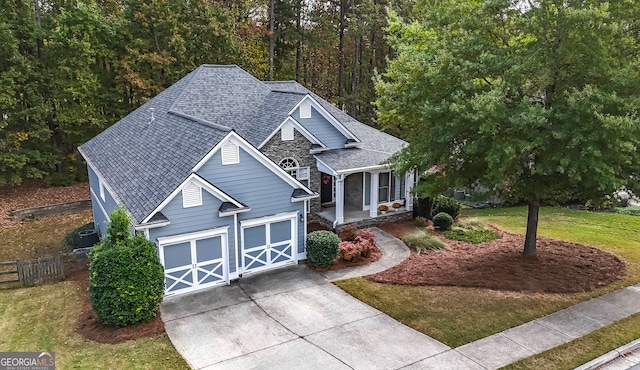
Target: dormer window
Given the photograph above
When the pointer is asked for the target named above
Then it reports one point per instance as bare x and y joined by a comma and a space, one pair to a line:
191, 195
230, 154
286, 132
305, 109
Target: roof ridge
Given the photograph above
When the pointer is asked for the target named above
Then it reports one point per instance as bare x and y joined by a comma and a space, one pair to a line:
191, 77
200, 120
290, 92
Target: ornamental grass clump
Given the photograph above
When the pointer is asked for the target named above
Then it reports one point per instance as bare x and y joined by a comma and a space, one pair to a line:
322, 248
422, 240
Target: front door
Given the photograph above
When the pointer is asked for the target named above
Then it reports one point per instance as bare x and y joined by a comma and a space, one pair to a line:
326, 188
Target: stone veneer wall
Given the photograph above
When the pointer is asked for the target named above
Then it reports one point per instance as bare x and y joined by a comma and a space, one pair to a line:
298, 148
367, 222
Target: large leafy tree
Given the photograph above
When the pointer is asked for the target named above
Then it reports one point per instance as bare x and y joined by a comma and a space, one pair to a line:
538, 99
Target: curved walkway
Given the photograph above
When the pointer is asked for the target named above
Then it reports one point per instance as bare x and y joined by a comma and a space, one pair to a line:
393, 250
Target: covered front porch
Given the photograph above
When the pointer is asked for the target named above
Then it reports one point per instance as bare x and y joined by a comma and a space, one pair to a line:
359, 218
354, 196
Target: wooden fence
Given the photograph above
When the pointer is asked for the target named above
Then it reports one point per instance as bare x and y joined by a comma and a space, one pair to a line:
41, 270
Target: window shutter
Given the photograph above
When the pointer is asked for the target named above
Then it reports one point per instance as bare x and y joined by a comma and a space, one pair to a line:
287, 132
230, 154
191, 195
305, 109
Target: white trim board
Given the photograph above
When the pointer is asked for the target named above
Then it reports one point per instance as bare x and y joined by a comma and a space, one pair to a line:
328, 116
296, 125
255, 153
204, 184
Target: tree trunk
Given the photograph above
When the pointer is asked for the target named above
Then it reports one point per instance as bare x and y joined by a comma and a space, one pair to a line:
272, 38
355, 77
300, 39
341, 55
532, 229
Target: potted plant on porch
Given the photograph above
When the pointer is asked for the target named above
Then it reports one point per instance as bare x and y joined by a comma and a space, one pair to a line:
396, 206
383, 208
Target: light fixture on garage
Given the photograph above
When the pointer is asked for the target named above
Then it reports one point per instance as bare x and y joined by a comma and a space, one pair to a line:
301, 217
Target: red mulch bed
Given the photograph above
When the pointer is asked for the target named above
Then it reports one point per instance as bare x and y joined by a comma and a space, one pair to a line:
90, 328
560, 267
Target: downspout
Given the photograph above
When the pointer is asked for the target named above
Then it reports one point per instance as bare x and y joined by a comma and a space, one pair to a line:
235, 242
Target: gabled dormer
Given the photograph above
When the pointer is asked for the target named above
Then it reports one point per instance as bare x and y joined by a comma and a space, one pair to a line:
323, 126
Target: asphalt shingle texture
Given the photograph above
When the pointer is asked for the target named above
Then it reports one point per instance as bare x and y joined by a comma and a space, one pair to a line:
143, 161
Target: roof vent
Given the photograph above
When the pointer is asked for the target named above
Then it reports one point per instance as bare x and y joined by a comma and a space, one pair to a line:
152, 117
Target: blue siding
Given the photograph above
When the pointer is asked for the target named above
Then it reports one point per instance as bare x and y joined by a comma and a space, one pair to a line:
322, 129
109, 204
192, 219
251, 183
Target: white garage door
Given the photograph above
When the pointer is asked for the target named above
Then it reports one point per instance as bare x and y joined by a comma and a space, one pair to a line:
268, 242
194, 261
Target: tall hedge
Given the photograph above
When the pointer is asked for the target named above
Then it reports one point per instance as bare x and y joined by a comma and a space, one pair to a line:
126, 281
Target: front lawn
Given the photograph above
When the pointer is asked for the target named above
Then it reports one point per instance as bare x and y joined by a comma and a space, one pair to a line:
457, 316
44, 318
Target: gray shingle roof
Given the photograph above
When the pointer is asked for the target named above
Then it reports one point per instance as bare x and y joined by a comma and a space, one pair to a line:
143, 161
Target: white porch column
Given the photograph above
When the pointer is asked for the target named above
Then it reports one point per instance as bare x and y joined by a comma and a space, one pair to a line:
373, 201
408, 196
339, 199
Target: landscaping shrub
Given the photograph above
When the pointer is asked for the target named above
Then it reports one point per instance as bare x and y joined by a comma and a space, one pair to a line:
443, 221
630, 210
126, 279
349, 233
471, 235
72, 239
420, 222
361, 246
322, 248
422, 241
447, 205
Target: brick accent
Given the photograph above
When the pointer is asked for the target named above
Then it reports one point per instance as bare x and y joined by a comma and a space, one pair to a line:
298, 148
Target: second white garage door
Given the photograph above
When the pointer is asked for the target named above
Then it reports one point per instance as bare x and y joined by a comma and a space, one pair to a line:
268, 242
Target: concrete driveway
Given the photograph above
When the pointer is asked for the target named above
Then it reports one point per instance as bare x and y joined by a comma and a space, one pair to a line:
291, 318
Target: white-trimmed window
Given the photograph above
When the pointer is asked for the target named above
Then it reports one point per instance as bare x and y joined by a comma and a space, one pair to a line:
191, 195
305, 109
286, 132
389, 188
293, 168
230, 154
101, 186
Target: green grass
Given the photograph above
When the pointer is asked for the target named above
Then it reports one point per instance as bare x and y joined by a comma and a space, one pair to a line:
457, 316
44, 319
422, 240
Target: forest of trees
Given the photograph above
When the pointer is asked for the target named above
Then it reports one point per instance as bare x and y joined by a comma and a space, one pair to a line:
71, 68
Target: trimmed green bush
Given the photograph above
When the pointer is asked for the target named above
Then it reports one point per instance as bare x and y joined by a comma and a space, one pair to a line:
422, 240
420, 221
322, 248
470, 235
126, 279
447, 205
443, 221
